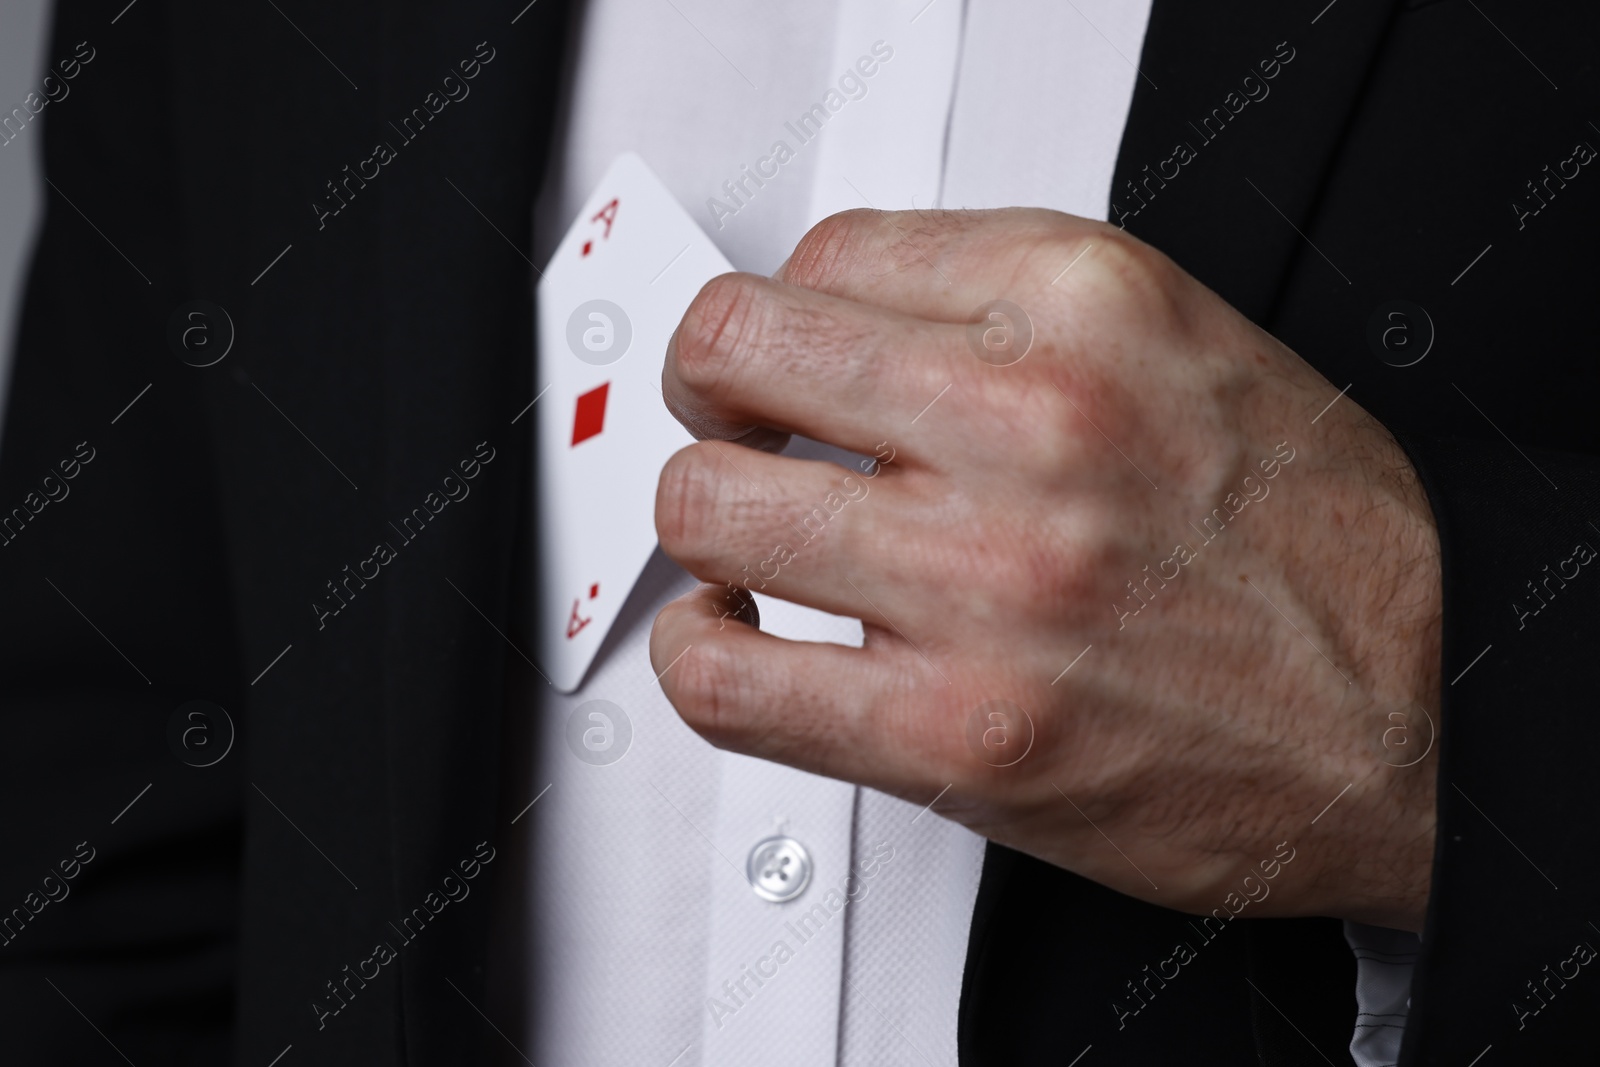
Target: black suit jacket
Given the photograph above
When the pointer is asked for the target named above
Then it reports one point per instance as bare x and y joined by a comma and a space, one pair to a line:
382, 339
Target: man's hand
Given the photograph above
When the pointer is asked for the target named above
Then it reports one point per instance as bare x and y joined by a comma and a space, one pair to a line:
1138, 585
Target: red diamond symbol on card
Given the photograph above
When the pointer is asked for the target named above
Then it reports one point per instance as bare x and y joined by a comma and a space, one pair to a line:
591, 416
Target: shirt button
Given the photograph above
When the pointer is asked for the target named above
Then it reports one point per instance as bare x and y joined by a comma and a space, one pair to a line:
779, 869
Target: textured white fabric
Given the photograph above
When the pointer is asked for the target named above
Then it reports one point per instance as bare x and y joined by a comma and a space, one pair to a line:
903, 942
799, 943
1044, 94
1385, 960
887, 150
617, 878
639, 911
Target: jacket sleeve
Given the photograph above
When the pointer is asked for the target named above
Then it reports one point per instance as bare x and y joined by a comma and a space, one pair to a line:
1516, 881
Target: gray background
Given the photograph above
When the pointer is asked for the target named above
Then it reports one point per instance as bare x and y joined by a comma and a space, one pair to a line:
23, 31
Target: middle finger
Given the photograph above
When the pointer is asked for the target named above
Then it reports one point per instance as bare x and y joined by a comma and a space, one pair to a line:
796, 529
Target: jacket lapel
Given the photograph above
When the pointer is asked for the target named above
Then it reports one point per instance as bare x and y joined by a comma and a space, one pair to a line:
1233, 128
348, 209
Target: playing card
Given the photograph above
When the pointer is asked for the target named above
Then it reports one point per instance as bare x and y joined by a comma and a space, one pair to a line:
608, 302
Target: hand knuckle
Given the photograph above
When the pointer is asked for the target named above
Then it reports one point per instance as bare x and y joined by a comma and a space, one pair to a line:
1044, 577
721, 317
1126, 270
705, 692
1070, 578
1046, 439
686, 498
1121, 256
829, 248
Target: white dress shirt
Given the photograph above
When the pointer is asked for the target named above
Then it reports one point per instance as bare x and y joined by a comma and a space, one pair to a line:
649, 943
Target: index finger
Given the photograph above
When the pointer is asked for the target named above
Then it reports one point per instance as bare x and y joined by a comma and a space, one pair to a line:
750, 351
938, 265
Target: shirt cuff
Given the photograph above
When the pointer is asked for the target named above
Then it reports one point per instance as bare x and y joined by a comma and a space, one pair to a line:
1384, 962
